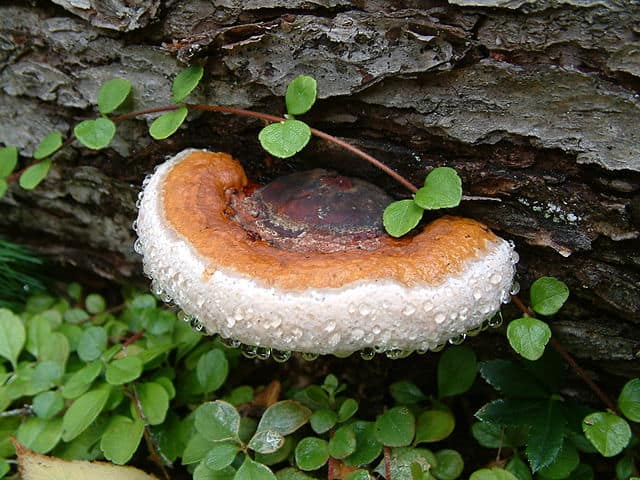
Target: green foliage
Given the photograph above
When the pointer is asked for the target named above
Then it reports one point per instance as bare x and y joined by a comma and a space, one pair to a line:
12, 336
311, 453
185, 82
95, 134
168, 123
609, 433
401, 217
48, 146
112, 94
529, 337
457, 370
548, 294
442, 189
8, 160
629, 400
121, 439
301, 95
33, 175
285, 139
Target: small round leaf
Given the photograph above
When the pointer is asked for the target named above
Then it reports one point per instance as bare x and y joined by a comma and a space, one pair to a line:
301, 95
442, 189
217, 421
212, 370
395, 427
609, 433
154, 402
95, 134
284, 417
12, 336
629, 400
92, 343
494, 473
311, 453
166, 124
529, 337
35, 174
347, 410
221, 455
49, 145
548, 294
434, 425
95, 303
112, 94
124, 370
266, 441
121, 439
343, 442
566, 462
83, 412
8, 160
47, 405
285, 139
185, 82
323, 420
401, 217
457, 370
367, 447
449, 465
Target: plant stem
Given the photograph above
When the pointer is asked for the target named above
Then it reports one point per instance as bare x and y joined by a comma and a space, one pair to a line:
16, 412
250, 113
387, 463
570, 360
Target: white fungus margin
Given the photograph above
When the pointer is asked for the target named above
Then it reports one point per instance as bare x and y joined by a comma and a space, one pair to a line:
383, 314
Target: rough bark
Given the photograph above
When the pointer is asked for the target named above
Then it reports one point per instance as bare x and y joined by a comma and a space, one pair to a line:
535, 103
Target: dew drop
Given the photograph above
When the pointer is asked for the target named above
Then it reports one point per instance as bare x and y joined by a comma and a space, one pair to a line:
427, 306
475, 331
438, 347
134, 225
310, 357
495, 279
238, 315
231, 343
477, 294
376, 329
457, 340
515, 257
496, 320
248, 351
515, 288
408, 310
357, 334
396, 353
330, 327
137, 246
156, 289
263, 353
334, 339
439, 318
280, 356
231, 322
367, 353
364, 309
196, 325
379, 349
421, 351
185, 317
165, 297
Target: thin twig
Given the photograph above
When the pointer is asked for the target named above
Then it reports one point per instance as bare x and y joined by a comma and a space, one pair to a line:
570, 360
17, 412
387, 463
134, 338
155, 454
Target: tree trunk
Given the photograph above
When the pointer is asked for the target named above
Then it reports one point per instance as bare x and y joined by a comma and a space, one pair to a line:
536, 104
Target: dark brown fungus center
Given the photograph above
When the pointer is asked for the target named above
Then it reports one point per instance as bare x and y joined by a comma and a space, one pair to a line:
316, 210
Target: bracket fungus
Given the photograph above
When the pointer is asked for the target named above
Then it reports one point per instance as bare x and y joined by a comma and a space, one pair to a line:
303, 264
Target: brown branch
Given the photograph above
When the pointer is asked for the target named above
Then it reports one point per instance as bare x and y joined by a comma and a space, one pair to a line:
134, 338
387, 462
570, 360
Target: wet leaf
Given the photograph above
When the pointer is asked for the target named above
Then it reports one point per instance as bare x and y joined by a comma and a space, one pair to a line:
442, 189
301, 95
529, 337
548, 294
401, 217
608, 432
395, 427
168, 123
285, 139
95, 134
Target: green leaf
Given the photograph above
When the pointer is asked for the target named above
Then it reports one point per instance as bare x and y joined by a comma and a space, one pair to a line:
12, 336
81, 380
565, 463
212, 370
196, 449
217, 421
457, 370
624, 468
519, 469
4, 468
342, 443
168, 123
291, 473
449, 466
112, 94
301, 95
202, 472
401, 217
405, 462
367, 447
46, 375
8, 160
83, 412
279, 455
434, 425
250, 470
442, 189
529, 337
121, 439
95, 134
347, 409
407, 393
546, 435
511, 379
608, 432
221, 455
40, 435
186, 81
629, 400
548, 294
49, 145
47, 405
323, 420
92, 343
154, 401
3, 187
95, 303
285, 139
266, 441
284, 417
35, 174
124, 370
360, 474
511, 411
495, 436
494, 473
584, 472
395, 427
311, 453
